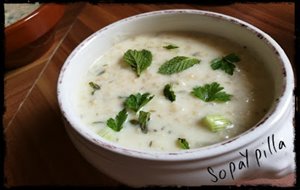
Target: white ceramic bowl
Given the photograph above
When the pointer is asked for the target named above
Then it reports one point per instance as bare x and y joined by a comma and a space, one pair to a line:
265, 150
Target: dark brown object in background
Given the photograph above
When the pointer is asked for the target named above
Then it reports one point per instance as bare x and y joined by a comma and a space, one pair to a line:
27, 39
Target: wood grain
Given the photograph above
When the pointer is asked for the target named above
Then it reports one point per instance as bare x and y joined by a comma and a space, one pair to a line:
18, 82
38, 150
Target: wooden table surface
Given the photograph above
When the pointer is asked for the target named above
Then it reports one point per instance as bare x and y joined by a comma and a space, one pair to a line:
38, 150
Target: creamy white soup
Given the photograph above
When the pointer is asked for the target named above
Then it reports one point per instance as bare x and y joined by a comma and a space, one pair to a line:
179, 124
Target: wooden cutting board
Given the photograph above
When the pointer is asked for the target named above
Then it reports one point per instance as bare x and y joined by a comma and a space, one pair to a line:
38, 150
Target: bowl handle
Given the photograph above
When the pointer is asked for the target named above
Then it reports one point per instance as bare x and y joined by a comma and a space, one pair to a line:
273, 156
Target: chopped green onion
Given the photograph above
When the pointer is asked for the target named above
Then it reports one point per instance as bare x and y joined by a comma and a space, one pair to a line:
216, 122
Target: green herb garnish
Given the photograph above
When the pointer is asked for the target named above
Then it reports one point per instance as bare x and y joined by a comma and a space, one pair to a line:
211, 92
138, 60
169, 93
177, 64
117, 123
225, 63
183, 143
216, 122
94, 86
144, 117
137, 101
170, 46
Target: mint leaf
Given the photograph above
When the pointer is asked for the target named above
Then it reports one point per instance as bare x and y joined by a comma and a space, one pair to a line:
225, 63
170, 46
183, 143
169, 93
177, 64
94, 87
117, 123
138, 60
211, 92
144, 118
137, 101
216, 122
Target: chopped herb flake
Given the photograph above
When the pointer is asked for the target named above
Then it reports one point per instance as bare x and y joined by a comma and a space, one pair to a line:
101, 72
144, 118
94, 87
183, 144
171, 46
150, 143
134, 122
96, 122
169, 93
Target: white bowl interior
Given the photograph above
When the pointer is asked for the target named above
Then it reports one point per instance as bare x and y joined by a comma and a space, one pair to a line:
181, 20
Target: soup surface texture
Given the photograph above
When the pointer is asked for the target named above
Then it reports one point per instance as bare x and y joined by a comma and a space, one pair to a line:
249, 86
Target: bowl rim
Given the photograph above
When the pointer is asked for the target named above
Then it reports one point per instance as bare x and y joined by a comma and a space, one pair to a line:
249, 136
